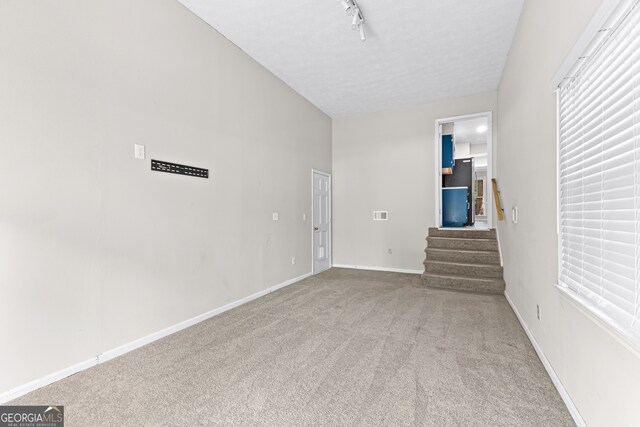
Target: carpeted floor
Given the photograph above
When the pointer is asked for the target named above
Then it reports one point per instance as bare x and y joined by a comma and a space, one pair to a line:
345, 347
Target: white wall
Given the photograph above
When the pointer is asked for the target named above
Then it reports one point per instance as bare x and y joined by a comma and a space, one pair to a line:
96, 249
462, 150
385, 161
448, 128
480, 161
478, 149
600, 374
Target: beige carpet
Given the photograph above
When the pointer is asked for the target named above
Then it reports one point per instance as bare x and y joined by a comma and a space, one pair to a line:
346, 347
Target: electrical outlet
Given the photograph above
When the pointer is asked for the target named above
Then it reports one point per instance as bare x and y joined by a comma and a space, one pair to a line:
276, 217
138, 151
293, 260
538, 311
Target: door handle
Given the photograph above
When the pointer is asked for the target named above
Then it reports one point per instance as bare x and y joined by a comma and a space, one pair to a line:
316, 228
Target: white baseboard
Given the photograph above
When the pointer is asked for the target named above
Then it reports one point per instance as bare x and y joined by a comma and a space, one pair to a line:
110, 354
46, 380
547, 365
499, 247
364, 267
118, 351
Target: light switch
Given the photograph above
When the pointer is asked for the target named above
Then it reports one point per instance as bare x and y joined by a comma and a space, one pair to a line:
514, 214
304, 217
275, 216
139, 151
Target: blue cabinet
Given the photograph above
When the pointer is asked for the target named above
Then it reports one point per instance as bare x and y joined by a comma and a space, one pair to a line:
448, 161
454, 206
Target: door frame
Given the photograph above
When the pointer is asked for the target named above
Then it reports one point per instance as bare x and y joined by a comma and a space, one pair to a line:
330, 239
438, 163
485, 189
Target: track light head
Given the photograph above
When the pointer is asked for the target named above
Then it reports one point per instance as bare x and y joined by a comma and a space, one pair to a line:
357, 20
348, 6
351, 8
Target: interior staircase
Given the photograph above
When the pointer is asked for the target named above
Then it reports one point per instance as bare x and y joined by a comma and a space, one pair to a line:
463, 260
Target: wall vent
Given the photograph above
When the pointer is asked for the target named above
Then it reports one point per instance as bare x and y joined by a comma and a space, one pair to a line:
380, 215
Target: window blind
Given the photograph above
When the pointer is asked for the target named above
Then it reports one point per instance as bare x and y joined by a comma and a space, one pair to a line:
599, 174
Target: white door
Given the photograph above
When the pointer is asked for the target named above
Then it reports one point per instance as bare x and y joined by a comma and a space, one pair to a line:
321, 221
439, 176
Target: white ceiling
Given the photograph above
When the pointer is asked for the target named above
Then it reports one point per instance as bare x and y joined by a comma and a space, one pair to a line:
466, 131
417, 51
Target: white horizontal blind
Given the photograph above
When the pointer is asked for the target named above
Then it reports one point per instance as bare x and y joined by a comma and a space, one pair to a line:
599, 174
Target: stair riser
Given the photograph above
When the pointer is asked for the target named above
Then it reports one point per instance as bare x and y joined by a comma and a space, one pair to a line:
463, 234
459, 284
471, 245
492, 258
489, 271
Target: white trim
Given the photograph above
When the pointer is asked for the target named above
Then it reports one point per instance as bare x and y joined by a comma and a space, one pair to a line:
438, 173
597, 22
557, 93
328, 175
365, 267
438, 163
489, 201
601, 318
110, 354
558, 240
21, 390
118, 351
499, 247
603, 17
575, 414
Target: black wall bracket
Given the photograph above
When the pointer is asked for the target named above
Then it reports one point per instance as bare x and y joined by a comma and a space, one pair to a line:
160, 166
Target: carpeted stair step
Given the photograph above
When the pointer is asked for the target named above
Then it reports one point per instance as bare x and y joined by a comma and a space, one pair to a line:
463, 260
463, 283
462, 244
463, 269
462, 234
470, 257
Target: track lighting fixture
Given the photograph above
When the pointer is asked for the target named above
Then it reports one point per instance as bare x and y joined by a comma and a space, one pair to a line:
357, 23
347, 6
357, 20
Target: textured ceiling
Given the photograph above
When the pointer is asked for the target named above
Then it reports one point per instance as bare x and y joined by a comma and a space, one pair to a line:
467, 130
417, 51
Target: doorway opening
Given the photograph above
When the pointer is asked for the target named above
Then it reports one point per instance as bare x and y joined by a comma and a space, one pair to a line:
320, 221
463, 147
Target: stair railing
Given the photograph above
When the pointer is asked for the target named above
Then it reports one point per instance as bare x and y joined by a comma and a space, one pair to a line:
496, 198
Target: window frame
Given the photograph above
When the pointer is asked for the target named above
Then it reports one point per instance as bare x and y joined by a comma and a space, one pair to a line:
603, 16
